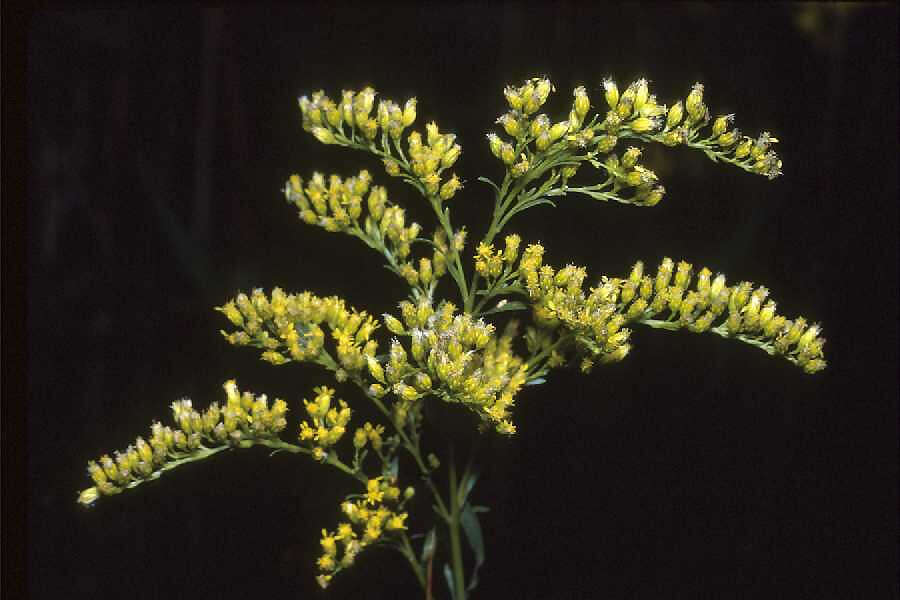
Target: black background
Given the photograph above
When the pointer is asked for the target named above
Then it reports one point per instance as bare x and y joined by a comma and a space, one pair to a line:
158, 140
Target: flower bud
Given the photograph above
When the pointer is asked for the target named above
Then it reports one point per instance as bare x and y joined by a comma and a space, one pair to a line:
450, 156
683, 276
675, 116
664, 274
432, 133
409, 112
510, 124
720, 125
606, 143
369, 128
450, 187
743, 149
346, 107
582, 102
507, 153
694, 102
513, 97
641, 92
729, 138
629, 159
323, 135
511, 252
611, 92
88, 497
362, 104
569, 171
558, 130
643, 124
495, 144
542, 90
539, 125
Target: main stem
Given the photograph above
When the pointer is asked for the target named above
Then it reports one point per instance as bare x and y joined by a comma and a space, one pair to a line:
459, 582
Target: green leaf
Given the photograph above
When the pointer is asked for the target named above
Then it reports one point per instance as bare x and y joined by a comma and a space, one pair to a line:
448, 575
429, 546
480, 509
465, 487
712, 155
490, 183
537, 381
472, 529
506, 306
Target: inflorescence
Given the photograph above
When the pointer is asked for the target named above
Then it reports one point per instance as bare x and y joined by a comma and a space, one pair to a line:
442, 350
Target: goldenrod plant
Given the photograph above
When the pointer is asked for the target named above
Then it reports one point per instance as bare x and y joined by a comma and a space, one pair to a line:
442, 344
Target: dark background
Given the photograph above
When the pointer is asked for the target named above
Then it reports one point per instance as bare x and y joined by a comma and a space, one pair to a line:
157, 144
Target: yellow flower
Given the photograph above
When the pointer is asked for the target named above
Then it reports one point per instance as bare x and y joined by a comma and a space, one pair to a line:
326, 562
328, 543
374, 495
396, 522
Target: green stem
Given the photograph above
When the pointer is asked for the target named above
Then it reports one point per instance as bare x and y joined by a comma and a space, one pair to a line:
459, 582
407, 551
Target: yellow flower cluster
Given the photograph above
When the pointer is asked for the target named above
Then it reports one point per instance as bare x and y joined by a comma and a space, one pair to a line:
597, 319
337, 204
328, 425
491, 263
326, 120
454, 356
625, 173
338, 207
740, 310
558, 299
684, 120
289, 327
244, 417
526, 128
370, 520
430, 159
368, 434
323, 117
635, 109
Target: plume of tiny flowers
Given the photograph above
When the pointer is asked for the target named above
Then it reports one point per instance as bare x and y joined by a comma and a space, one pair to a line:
288, 327
327, 423
349, 123
456, 357
338, 205
596, 319
702, 303
243, 418
375, 518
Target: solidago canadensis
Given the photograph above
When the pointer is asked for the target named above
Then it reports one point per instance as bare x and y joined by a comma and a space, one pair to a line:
440, 345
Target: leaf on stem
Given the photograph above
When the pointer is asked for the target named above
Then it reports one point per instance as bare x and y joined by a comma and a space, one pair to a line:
472, 529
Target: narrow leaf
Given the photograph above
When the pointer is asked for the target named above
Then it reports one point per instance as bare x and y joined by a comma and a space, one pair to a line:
448, 575
536, 381
429, 546
472, 529
466, 486
490, 183
506, 307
